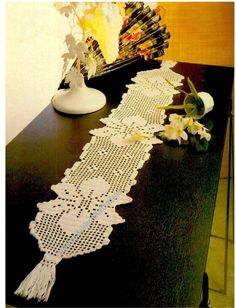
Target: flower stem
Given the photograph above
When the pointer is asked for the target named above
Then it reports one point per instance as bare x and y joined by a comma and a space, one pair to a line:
176, 88
177, 106
73, 8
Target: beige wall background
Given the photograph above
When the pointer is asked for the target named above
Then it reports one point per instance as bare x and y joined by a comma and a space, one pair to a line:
35, 34
201, 32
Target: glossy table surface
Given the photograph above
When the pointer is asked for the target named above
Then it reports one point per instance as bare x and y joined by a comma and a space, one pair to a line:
158, 256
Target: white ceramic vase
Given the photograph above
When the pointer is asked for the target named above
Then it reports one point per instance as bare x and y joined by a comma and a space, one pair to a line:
78, 100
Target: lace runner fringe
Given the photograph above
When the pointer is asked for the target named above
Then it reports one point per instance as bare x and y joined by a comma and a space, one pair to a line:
40, 280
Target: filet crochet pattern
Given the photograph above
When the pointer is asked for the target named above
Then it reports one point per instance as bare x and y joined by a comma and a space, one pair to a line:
80, 219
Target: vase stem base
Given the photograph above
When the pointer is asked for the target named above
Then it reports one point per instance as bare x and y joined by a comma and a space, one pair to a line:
80, 100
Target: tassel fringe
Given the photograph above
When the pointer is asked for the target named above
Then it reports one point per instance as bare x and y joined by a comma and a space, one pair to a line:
40, 280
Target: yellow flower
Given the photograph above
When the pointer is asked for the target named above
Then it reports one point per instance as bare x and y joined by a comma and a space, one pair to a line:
121, 6
104, 23
137, 136
188, 121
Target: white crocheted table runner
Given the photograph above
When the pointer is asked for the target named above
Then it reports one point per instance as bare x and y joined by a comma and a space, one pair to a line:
80, 219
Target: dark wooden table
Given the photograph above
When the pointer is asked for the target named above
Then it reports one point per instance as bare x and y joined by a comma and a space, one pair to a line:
158, 256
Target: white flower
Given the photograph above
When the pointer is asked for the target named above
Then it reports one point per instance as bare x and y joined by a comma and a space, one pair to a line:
74, 78
85, 8
137, 136
101, 20
64, 8
174, 117
76, 49
188, 121
174, 131
204, 134
195, 128
91, 66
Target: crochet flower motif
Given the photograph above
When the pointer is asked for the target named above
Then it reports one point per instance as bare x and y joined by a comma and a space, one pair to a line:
75, 215
122, 131
154, 85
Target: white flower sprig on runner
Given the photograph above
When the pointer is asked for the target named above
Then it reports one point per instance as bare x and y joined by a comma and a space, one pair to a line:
138, 136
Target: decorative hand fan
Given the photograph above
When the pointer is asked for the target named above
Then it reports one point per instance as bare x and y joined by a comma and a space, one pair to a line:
141, 36
112, 35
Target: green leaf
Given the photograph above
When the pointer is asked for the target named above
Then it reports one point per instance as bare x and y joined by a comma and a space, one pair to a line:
201, 145
176, 88
192, 89
209, 125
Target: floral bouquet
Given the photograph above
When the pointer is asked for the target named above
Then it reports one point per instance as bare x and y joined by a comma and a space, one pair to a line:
185, 128
105, 36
